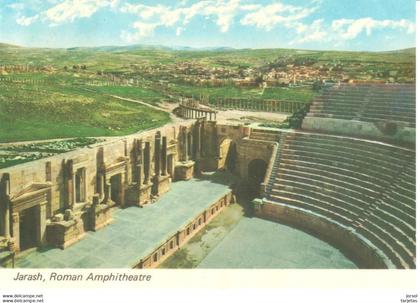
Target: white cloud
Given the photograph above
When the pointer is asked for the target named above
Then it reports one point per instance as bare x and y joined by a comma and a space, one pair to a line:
69, 10
342, 30
26, 21
142, 30
267, 17
18, 6
351, 28
179, 31
66, 11
225, 13
315, 32
250, 7
222, 11
297, 19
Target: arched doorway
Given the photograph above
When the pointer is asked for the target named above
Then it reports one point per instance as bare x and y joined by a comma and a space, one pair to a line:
257, 169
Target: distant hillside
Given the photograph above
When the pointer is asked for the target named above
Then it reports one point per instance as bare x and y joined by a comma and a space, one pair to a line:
111, 48
139, 47
6, 45
409, 51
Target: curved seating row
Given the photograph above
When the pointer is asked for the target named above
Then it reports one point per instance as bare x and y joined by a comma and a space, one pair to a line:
366, 186
369, 103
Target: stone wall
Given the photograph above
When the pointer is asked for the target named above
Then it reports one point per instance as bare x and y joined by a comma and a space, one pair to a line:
127, 171
74, 192
249, 150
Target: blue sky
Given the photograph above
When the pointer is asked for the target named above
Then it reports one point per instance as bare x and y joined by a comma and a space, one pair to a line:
306, 24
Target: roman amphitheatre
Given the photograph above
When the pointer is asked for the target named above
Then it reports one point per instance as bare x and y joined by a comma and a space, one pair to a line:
148, 157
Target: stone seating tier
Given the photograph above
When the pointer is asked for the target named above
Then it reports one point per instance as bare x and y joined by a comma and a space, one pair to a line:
362, 185
357, 193
368, 103
264, 135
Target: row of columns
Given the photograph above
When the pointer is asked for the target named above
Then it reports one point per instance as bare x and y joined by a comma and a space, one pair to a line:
143, 161
265, 105
190, 113
192, 142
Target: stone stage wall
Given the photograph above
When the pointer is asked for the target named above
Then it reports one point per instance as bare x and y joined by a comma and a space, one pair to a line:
61, 197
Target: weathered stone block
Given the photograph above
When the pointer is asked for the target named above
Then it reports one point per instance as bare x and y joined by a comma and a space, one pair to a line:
64, 233
184, 170
139, 196
100, 215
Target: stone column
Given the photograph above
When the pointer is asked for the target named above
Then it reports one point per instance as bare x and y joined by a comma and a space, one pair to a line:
70, 184
107, 191
139, 175
157, 154
5, 208
6, 219
128, 172
185, 144
147, 163
122, 190
101, 185
137, 159
197, 141
41, 223
190, 145
15, 230
201, 134
164, 156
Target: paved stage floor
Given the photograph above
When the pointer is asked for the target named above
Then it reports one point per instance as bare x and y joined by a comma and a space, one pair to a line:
258, 243
135, 231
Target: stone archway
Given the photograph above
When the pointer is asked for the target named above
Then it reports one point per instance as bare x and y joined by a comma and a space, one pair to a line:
257, 169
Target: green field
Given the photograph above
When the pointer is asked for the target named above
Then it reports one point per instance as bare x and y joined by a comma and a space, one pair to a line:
59, 109
60, 93
130, 92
